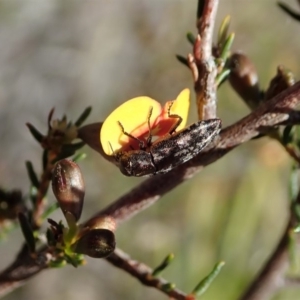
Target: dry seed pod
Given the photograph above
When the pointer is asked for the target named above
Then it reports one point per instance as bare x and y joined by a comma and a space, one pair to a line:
97, 243
102, 222
68, 187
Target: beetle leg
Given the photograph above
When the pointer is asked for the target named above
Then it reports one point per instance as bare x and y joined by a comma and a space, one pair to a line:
149, 138
173, 129
141, 143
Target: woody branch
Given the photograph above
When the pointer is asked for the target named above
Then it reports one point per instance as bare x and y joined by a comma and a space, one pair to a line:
201, 62
279, 110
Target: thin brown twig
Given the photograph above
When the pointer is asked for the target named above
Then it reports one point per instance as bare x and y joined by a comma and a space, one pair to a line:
269, 114
145, 195
41, 193
293, 152
27, 266
205, 86
274, 112
271, 277
205, 25
292, 281
208, 91
144, 274
24, 267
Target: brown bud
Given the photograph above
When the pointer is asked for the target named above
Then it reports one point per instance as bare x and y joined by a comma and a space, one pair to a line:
68, 187
102, 222
244, 79
281, 81
97, 243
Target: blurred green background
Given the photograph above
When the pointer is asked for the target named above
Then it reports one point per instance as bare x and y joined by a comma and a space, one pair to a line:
72, 54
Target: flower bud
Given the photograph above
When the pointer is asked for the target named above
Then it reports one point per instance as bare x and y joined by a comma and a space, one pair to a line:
68, 187
281, 81
97, 243
244, 80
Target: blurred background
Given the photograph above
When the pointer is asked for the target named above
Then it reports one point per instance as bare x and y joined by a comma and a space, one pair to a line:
73, 54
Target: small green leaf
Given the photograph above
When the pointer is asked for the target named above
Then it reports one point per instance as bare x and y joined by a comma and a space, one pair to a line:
182, 59
165, 263
225, 51
222, 77
83, 116
68, 150
167, 287
71, 220
27, 232
70, 261
289, 11
36, 134
32, 175
223, 31
191, 38
204, 284
79, 157
74, 260
59, 263
53, 207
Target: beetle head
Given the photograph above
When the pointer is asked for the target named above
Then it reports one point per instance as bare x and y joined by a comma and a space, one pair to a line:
135, 163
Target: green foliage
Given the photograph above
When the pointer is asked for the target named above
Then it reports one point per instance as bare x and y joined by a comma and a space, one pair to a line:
205, 283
